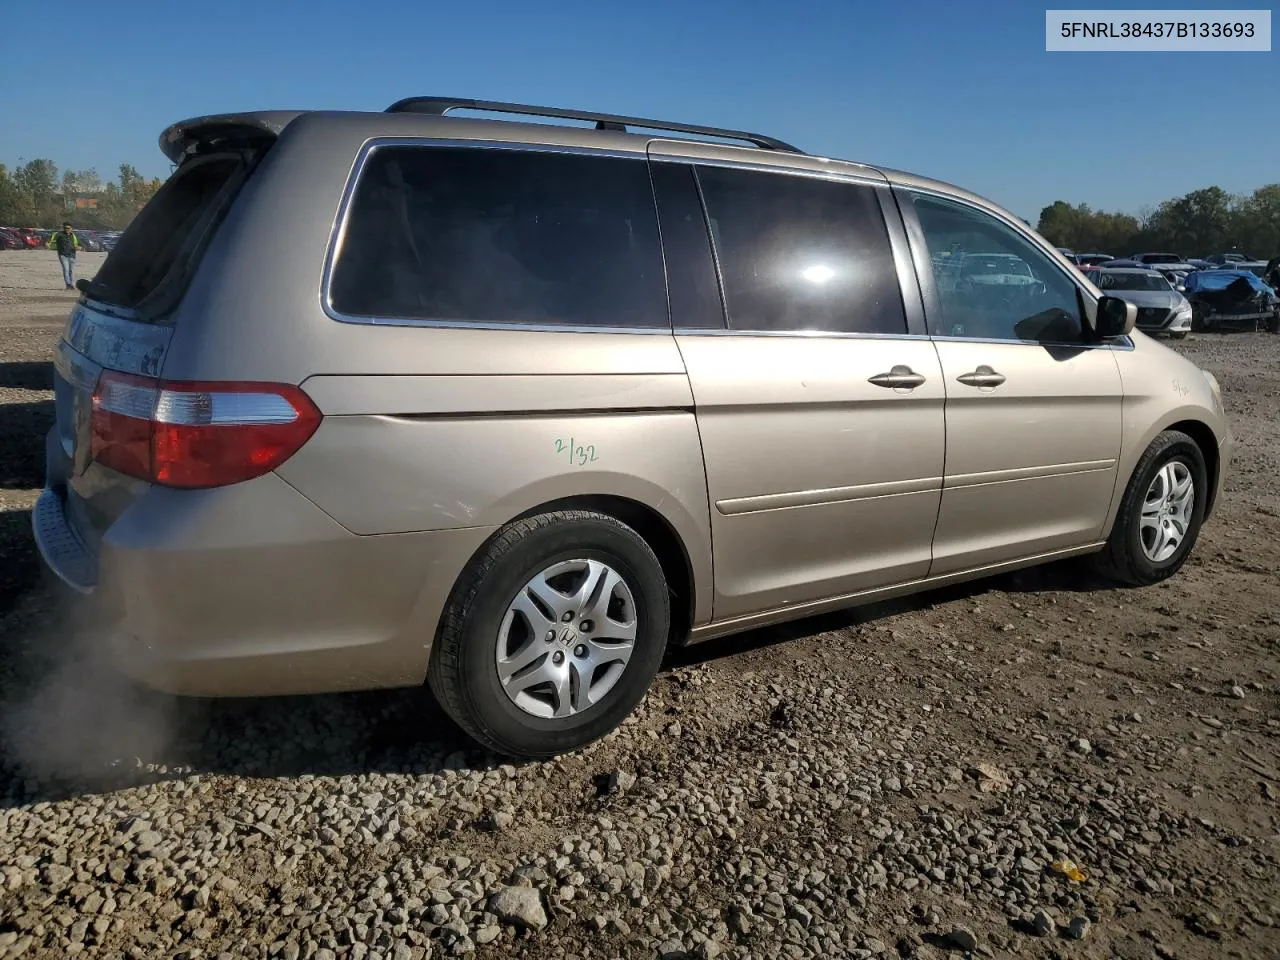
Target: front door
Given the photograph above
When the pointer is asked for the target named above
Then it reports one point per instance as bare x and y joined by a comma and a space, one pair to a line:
820, 413
1033, 411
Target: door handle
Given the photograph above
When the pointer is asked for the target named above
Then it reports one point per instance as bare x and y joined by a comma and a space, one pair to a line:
984, 376
900, 376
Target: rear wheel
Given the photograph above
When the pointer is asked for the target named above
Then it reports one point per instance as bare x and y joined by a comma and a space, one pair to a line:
552, 635
1160, 516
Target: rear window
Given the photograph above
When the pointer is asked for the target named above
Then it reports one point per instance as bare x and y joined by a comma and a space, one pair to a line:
165, 239
501, 236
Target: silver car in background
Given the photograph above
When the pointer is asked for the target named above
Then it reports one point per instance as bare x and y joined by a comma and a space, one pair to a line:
1161, 308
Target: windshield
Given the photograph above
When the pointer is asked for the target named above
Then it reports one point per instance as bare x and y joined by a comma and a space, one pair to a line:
1131, 281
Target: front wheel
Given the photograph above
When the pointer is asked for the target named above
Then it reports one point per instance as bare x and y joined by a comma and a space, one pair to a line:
552, 635
1160, 516
1178, 335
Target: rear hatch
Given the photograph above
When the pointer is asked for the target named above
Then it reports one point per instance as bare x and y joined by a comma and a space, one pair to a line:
122, 326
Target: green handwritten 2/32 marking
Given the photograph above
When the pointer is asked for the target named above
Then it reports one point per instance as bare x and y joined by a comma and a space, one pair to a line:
578, 454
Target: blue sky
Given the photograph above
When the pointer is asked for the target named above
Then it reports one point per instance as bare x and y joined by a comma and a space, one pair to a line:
962, 91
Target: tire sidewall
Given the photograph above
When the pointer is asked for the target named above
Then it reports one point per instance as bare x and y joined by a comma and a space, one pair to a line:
585, 539
1185, 451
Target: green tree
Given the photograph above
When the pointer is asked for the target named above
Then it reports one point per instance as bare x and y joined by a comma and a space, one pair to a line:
37, 183
10, 199
1260, 222
1199, 223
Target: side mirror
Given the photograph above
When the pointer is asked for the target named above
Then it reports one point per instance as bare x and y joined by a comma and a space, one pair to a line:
1115, 318
82, 285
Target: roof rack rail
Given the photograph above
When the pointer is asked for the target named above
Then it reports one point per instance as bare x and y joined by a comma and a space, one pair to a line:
439, 106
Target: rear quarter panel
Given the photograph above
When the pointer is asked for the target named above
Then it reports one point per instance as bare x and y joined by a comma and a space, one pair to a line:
405, 454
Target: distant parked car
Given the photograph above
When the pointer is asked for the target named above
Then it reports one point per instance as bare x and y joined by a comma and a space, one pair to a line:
994, 270
11, 240
1256, 267
1161, 308
1231, 297
1175, 275
1234, 257
89, 241
109, 240
1092, 259
1152, 259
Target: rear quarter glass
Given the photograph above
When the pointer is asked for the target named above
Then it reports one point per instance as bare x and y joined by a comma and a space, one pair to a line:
506, 236
151, 264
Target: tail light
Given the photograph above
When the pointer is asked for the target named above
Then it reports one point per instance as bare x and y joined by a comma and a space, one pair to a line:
197, 434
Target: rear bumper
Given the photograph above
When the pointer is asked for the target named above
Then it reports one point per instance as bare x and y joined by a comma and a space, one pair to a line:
63, 553
251, 590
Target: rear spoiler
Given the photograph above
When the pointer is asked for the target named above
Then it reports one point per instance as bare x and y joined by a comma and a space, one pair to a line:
186, 137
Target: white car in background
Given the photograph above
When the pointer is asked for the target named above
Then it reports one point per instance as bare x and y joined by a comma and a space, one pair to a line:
1161, 308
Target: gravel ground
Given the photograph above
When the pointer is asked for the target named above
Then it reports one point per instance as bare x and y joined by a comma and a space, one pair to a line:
1037, 765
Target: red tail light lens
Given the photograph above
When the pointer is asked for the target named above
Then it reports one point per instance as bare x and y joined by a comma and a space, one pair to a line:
197, 434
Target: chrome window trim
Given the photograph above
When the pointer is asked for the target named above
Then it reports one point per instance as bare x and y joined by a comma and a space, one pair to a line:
798, 334
832, 175
1120, 343
337, 236
1124, 343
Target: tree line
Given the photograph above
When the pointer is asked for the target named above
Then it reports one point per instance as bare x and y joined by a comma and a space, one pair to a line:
34, 195
1196, 225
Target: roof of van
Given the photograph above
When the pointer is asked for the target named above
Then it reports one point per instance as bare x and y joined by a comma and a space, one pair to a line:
182, 137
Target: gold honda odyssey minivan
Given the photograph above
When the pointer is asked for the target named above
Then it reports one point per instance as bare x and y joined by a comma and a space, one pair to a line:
517, 406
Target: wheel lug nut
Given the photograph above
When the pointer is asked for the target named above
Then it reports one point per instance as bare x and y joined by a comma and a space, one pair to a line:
557, 657
567, 617
551, 635
586, 626
580, 651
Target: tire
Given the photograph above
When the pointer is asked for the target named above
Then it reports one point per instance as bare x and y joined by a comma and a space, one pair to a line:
1178, 335
481, 623
1125, 557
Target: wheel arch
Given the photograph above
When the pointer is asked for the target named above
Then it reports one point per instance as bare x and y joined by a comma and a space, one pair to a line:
1207, 441
663, 539
1188, 420
658, 531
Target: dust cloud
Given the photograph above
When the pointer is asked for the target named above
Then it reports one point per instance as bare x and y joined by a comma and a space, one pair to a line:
75, 720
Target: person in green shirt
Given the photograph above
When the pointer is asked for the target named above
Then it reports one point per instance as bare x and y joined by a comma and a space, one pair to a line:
66, 243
